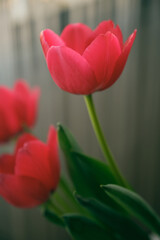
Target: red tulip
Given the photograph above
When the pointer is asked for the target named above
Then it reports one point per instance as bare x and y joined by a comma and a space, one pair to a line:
18, 108
29, 175
83, 61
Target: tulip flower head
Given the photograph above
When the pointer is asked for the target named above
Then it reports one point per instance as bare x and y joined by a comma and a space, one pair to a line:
29, 175
18, 108
82, 60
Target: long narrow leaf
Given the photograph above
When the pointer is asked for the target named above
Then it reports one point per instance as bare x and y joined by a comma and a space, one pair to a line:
86, 173
49, 211
53, 217
82, 228
92, 174
117, 222
68, 145
135, 205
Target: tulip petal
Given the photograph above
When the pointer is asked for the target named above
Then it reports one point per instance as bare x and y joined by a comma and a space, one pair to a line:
117, 31
7, 163
49, 38
21, 87
28, 108
70, 70
75, 36
102, 55
25, 138
32, 106
119, 66
102, 28
22, 191
9, 123
25, 103
7, 128
32, 161
53, 154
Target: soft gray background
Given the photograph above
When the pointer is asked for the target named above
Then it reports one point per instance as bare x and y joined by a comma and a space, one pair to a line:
128, 111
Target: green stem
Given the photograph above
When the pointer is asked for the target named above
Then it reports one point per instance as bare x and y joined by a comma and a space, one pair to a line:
102, 142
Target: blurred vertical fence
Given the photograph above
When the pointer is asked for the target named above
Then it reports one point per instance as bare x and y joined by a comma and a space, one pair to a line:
129, 111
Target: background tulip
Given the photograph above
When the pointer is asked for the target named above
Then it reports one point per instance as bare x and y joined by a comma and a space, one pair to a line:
82, 60
18, 109
29, 175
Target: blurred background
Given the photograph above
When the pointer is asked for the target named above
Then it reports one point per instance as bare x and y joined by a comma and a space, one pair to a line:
128, 111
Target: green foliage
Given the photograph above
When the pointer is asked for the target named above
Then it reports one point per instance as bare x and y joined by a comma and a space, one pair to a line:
114, 221
83, 228
49, 211
87, 174
135, 206
53, 217
100, 209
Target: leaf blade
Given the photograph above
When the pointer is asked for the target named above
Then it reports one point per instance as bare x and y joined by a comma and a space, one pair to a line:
82, 228
134, 205
119, 223
86, 173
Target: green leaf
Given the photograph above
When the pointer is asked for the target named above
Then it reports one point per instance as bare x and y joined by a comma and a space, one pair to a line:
52, 217
87, 174
82, 228
135, 205
111, 219
68, 144
67, 141
92, 173
49, 211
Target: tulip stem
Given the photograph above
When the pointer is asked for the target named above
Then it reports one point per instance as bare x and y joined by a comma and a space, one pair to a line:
102, 142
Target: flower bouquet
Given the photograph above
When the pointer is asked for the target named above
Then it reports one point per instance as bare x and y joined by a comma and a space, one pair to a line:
93, 200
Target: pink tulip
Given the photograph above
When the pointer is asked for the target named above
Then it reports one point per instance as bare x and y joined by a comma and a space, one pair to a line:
81, 60
18, 109
28, 176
